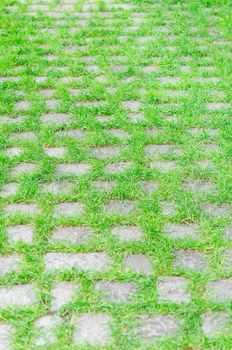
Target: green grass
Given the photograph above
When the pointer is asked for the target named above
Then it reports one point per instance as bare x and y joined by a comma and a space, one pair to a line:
188, 23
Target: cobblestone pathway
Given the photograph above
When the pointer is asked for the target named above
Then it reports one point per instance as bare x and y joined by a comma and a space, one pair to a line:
115, 175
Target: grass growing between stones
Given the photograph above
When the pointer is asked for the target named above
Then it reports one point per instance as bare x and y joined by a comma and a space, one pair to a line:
115, 175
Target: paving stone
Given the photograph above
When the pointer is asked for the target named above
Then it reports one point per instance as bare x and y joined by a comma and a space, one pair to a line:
22, 105
121, 207
118, 167
22, 208
9, 189
215, 106
52, 104
92, 329
46, 327
168, 208
201, 187
12, 119
23, 168
68, 209
154, 151
10, 263
23, 135
62, 293
163, 166
206, 164
12, 151
228, 259
219, 291
138, 263
76, 134
182, 231
190, 260
103, 186
55, 119
47, 92
119, 133
73, 234
6, 336
97, 103
133, 106
228, 233
153, 326
57, 188
127, 233
17, 296
105, 152
136, 117
149, 69
20, 233
169, 80
117, 292
93, 69
92, 262
149, 187
173, 289
55, 152
215, 323
217, 210
77, 169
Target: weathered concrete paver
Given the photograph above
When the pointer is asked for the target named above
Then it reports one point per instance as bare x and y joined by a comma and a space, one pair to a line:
215, 323
6, 336
117, 292
46, 327
18, 296
62, 293
92, 329
173, 289
153, 326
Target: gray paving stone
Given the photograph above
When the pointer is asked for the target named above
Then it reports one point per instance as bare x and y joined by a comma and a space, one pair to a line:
22, 208
55, 119
46, 327
190, 260
92, 329
17, 296
138, 263
121, 207
163, 165
117, 292
62, 293
173, 289
91, 104
127, 233
23, 135
119, 133
118, 167
9, 189
205, 164
6, 336
76, 134
149, 69
20, 233
77, 169
169, 80
68, 209
217, 210
153, 326
73, 234
133, 106
52, 104
56, 188
105, 152
103, 186
92, 262
155, 151
93, 69
215, 106
228, 259
55, 152
168, 208
215, 323
228, 233
136, 117
10, 263
219, 291
23, 168
181, 231
47, 92
200, 187
149, 187
22, 105
12, 151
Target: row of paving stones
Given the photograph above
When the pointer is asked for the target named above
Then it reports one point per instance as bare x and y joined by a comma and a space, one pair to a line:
125, 233
114, 207
184, 259
96, 328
